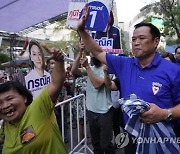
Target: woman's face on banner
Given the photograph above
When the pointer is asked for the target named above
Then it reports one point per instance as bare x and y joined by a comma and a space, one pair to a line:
36, 57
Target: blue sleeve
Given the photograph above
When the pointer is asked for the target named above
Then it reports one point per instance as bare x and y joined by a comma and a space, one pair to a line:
110, 63
176, 88
116, 64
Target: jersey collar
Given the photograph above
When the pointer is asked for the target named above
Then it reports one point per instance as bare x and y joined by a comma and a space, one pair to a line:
155, 62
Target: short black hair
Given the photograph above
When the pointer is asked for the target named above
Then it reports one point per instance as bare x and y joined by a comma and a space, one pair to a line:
19, 88
96, 62
177, 49
153, 29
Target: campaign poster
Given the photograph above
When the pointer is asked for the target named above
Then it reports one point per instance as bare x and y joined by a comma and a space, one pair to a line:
74, 10
98, 15
38, 78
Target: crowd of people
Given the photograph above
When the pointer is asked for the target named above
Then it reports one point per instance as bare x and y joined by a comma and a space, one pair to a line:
147, 74
32, 124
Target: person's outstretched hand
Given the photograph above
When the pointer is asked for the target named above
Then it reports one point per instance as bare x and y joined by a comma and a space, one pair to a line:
82, 21
56, 54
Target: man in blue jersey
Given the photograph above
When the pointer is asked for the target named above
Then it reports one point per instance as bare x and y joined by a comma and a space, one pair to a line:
147, 74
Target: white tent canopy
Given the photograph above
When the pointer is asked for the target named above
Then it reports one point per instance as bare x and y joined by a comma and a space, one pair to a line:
18, 15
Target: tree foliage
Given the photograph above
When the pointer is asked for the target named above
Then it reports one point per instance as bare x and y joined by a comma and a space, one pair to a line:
3, 58
123, 42
161, 50
65, 45
170, 10
3, 48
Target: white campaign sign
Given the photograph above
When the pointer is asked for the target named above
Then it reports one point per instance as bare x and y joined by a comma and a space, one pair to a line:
105, 43
98, 15
35, 83
75, 7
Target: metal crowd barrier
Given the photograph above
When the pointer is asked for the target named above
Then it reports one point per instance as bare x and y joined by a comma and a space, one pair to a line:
77, 145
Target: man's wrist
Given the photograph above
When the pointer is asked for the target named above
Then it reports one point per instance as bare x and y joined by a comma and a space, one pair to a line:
168, 115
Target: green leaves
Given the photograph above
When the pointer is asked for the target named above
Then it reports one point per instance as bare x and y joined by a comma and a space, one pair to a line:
169, 11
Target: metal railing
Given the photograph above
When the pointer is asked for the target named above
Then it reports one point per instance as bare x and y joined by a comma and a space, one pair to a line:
77, 145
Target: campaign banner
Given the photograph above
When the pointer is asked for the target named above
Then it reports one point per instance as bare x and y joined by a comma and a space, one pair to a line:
107, 45
98, 15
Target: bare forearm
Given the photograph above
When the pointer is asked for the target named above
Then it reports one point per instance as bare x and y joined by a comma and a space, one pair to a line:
57, 77
97, 82
107, 80
76, 63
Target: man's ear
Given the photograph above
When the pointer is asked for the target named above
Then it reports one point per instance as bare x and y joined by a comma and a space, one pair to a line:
156, 40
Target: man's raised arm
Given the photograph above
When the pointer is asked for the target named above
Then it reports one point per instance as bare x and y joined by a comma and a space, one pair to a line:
90, 44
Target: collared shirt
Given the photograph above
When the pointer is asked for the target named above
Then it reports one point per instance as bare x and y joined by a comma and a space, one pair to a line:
158, 83
178, 63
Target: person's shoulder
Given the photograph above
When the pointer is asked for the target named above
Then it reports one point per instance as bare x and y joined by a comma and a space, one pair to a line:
30, 73
172, 67
119, 57
115, 28
167, 62
178, 64
43, 94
